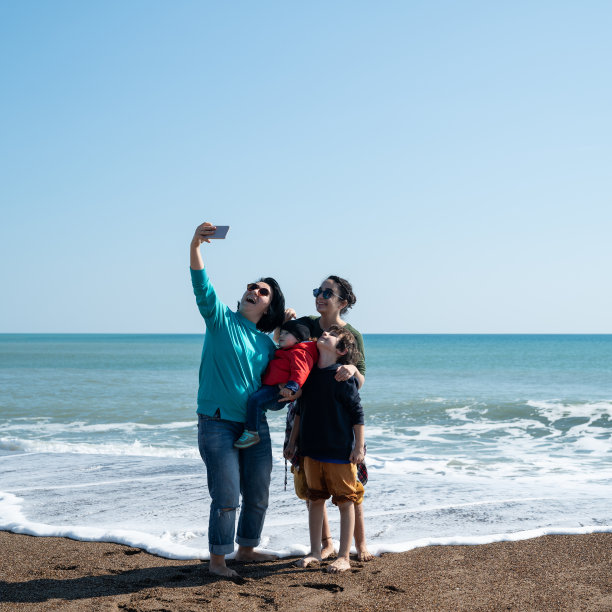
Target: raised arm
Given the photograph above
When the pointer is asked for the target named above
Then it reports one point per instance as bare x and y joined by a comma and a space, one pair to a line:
206, 298
201, 235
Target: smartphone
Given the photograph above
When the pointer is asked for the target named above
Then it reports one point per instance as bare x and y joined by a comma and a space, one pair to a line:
220, 232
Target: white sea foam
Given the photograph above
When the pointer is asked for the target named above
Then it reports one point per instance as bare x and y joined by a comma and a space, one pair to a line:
460, 414
516, 536
136, 448
104, 483
55, 428
556, 409
12, 519
189, 544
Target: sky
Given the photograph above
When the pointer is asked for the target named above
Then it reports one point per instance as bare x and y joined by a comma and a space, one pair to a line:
451, 159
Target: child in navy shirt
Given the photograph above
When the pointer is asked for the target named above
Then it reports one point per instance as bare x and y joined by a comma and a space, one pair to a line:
331, 440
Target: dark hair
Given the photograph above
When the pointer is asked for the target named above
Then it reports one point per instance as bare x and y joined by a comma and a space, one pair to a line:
346, 291
275, 316
346, 342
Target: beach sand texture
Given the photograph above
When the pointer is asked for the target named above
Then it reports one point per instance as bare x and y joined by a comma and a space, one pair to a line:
548, 573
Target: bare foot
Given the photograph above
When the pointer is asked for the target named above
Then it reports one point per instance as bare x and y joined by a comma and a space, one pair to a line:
327, 548
341, 564
252, 555
363, 554
308, 560
221, 570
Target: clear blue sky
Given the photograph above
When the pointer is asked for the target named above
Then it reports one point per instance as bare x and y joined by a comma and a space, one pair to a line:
452, 159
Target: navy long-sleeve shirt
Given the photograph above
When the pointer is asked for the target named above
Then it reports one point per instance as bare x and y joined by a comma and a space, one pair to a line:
328, 411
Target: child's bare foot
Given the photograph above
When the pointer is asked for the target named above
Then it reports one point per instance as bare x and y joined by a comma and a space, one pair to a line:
327, 548
363, 554
309, 559
249, 554
219, 569
341, 564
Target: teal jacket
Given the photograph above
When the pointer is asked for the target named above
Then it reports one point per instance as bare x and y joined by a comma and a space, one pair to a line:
234, 356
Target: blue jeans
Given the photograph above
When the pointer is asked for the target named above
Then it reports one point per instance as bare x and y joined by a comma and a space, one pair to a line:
265, 398
230, 473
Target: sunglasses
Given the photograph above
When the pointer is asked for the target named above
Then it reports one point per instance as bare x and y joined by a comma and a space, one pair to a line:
261, 290
326, 293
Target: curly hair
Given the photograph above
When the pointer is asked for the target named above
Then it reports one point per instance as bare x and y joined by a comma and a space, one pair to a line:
346, 291
346, 342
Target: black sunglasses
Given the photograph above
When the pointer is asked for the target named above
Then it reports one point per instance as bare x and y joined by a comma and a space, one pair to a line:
326, 293
261, 290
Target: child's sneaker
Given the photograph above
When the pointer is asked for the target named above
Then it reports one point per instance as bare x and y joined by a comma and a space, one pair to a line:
248, 438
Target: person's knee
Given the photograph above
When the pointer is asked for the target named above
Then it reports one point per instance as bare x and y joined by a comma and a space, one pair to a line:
225, 511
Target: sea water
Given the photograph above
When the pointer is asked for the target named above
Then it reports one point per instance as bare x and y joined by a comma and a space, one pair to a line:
470, 439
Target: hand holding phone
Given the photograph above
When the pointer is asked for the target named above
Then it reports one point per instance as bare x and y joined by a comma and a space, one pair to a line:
220, 232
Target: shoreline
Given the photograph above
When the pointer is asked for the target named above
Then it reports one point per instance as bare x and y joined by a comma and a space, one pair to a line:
552, 572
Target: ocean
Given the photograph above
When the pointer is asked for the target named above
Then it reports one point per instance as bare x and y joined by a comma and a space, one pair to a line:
470, 439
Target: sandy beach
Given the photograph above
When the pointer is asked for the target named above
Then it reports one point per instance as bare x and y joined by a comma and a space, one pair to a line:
548, 573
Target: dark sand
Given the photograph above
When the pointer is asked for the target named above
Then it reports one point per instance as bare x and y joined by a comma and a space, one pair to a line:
548, 573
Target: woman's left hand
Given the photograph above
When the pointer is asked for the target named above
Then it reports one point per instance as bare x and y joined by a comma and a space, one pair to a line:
344, 372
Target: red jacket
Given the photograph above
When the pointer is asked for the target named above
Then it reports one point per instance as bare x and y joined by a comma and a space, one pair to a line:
293, 363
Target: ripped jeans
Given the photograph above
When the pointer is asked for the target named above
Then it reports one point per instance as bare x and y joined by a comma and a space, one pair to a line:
231, 472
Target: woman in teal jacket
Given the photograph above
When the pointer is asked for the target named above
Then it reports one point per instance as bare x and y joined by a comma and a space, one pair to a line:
235, 354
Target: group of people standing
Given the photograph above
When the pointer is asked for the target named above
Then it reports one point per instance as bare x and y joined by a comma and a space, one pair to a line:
325, 437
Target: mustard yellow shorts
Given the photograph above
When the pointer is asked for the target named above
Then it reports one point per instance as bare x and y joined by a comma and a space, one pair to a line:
299, 480
335, 480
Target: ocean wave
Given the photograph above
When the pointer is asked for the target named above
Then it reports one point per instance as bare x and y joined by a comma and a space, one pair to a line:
135, 448
555, 410
52, 428
402, 453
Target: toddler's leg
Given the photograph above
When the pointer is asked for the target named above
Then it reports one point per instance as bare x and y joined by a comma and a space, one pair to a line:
347, 527
315, 524
255, 405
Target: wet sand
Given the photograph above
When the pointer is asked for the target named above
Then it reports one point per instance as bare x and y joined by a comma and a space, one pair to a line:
549, 573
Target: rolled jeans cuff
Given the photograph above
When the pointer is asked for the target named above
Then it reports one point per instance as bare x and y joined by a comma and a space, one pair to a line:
221, 549
247, 542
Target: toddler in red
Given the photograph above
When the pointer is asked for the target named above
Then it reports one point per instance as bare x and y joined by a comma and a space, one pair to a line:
285, 374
